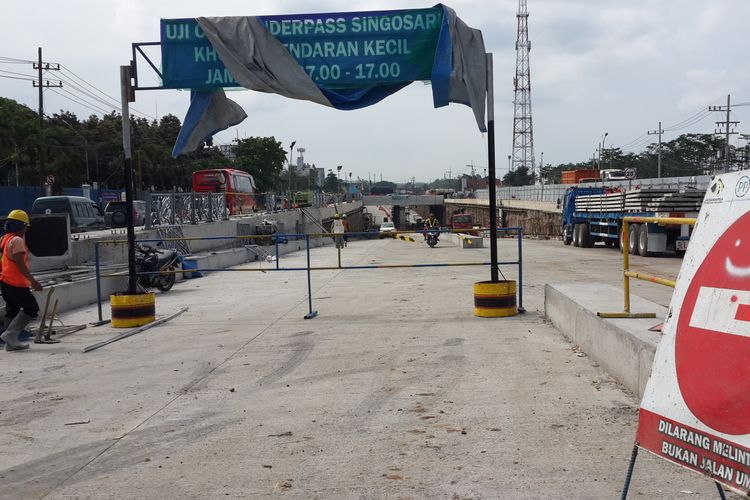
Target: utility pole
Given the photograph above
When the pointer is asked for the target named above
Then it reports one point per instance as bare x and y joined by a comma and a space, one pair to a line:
41, 84
658, 157
727, 124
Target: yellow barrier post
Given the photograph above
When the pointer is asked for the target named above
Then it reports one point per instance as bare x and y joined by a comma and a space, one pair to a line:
627, 273
626, 263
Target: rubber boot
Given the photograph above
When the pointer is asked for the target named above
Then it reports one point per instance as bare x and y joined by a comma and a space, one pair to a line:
10, 335
6, 322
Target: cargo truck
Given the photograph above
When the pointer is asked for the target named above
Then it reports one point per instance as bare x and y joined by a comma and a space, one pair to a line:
594, 214
580, 175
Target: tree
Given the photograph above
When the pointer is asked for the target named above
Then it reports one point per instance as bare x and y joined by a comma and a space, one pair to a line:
518, 177
445, 184
264, 158
331, 185
19, 136
312, 178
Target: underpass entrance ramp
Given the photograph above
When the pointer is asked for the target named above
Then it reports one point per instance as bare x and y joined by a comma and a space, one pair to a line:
346, 60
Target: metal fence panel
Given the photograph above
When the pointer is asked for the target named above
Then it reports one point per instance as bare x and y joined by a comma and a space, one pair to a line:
553, 193
184, 208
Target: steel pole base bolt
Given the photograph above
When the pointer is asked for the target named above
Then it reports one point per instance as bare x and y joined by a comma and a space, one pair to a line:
311, 315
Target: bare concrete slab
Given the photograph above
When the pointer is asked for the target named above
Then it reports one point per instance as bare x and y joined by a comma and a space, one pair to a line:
395, 391
624, 347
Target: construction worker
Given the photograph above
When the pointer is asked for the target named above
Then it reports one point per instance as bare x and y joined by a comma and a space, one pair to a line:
338, 230
345, 221
15, 280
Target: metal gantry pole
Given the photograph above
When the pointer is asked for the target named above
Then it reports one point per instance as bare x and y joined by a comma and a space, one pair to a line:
276, 242
125, 98
98, 281
310, 314
521, 309
626, 265
491, 170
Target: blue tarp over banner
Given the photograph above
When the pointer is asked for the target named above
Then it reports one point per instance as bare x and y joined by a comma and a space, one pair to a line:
342, 52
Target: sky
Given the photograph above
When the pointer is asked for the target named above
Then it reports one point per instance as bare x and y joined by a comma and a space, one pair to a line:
597, 66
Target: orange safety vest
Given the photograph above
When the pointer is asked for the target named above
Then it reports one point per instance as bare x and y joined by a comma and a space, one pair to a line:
9, 272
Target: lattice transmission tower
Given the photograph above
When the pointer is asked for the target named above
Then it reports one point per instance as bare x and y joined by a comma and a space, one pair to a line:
523, 131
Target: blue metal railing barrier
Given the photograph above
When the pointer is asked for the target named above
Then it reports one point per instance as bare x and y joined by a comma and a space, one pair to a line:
309, 268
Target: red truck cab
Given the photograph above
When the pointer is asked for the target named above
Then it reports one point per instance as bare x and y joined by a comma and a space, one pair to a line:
463, 223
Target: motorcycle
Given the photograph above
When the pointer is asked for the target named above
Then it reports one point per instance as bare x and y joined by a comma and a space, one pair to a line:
150, 260
432, 237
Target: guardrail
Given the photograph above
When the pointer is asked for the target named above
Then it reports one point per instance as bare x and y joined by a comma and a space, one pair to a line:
627, 273
280, 238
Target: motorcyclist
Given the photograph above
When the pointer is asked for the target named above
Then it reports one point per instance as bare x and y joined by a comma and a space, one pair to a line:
431, 223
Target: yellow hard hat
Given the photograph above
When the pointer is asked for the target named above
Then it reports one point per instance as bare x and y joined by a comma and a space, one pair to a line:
20, 216
337, 216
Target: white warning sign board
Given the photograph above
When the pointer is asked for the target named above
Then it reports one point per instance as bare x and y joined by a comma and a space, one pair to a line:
696, 408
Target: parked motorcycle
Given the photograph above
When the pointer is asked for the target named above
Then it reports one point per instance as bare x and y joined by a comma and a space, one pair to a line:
150, 260
432, 237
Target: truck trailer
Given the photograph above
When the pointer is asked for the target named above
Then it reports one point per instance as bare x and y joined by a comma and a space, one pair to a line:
595, 214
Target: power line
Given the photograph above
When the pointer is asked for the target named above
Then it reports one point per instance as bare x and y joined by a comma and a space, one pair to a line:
88, 94
115, 105
13, 60
689, 118
103, 110
18, 78
78, 102
643, 142
15, 73
634, 141
697, 118
65, 69
87, 97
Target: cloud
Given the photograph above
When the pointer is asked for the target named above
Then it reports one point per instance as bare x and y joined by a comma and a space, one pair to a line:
595, 66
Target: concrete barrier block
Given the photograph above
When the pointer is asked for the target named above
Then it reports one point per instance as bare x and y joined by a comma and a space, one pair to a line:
472, 242
623, 347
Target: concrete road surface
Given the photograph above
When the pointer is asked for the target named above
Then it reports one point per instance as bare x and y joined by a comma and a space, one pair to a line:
395, 391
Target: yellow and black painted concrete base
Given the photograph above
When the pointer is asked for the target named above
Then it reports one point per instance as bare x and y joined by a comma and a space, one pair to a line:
495, 299
404, 237
129, 311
